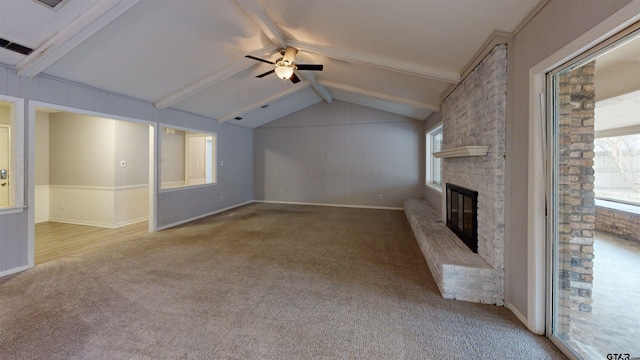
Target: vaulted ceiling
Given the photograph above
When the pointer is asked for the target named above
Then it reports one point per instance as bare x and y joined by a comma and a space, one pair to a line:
396, 56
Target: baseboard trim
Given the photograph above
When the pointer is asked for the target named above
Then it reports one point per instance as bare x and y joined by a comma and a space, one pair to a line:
14, 270
517, 313
330, 205
130, 222
164, 227
80, 222
98, 188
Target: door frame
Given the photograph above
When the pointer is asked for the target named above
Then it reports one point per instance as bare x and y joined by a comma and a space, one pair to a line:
9, 167
16, 161
538, 265
153, 166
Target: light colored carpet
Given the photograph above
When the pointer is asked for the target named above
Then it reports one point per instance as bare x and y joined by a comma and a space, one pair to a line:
264, 281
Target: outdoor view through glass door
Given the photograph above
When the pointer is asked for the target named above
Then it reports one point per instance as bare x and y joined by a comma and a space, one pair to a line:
594, 224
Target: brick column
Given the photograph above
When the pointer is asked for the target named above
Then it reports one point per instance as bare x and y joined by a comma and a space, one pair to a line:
576, 106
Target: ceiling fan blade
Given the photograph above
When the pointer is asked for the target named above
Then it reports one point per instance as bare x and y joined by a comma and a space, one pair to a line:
258, 59
267, 73
290, 54
311, 67
294, 78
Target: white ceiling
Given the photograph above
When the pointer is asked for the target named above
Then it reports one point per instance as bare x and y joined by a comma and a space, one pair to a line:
618, 89
396, 56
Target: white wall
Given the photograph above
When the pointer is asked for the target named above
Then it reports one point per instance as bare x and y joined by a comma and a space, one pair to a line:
340, 153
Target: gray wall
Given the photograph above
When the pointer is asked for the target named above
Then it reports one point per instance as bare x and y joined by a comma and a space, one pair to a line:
235, 147
81, 150
172, 156
555, 26
340, 153
235, 180
131, 144
87, 150
432, 196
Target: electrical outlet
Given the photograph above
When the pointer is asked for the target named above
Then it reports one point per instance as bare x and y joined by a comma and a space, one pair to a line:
379, 196
62, 205
221, 163
221, 197
280, 192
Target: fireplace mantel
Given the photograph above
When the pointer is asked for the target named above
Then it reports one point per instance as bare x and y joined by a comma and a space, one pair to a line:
462, 152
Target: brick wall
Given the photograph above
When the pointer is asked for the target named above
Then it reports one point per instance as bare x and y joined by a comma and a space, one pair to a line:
474, 114
621, 223
576, 223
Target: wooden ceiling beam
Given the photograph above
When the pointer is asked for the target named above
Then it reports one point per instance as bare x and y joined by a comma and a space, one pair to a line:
264, 22
310, 77
79, 30
261, 18
379, 95
379, 62
213, 79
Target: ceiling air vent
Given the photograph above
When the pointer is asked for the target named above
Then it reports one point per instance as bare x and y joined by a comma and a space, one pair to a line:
237, 118
52, 4
15, 47
264, 106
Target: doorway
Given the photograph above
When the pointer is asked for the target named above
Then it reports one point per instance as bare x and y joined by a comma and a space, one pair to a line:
92, 180
593, 300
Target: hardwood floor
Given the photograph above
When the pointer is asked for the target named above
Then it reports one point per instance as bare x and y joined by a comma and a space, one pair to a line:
57, 240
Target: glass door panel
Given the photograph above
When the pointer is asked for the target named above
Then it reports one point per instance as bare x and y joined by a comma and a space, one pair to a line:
595, 264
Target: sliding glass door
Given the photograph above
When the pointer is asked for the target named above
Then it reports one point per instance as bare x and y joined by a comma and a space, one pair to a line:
594, 238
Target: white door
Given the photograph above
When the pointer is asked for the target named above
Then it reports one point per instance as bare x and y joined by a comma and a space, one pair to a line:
4, 165
196, 160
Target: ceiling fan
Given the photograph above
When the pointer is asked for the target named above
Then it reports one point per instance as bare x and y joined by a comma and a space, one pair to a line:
285, 66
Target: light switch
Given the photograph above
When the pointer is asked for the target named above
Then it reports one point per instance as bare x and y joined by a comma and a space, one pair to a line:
122, 163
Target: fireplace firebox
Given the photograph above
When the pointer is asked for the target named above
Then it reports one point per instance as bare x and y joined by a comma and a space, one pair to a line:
462, 214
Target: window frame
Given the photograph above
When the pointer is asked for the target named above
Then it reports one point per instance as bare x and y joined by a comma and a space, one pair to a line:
431, 161
611, 134
189, 132
16, 162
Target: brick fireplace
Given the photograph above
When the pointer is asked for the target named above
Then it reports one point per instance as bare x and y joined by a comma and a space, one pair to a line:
473, 154
462, 214
474, 115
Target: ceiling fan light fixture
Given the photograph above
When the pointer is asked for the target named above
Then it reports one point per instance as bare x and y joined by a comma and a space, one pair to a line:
284, 72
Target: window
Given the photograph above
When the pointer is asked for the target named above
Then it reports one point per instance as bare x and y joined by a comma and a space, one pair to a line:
187, 158
434, 164
617, 168
11, 153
